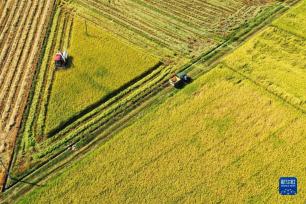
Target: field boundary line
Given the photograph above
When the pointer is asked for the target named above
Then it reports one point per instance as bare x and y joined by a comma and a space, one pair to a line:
288, 32
265, 88
215, 50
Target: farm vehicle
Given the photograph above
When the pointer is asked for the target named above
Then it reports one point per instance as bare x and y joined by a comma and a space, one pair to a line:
179, 80
61, 59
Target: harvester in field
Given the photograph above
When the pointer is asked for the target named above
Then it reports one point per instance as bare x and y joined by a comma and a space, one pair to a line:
179, 80
61, 59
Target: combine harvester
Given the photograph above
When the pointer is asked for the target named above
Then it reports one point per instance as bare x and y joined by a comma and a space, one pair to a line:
61, 59
179, 80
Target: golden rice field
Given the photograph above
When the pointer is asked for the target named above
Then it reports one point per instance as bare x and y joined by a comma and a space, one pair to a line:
101, 64
113, 48
226, 138
294, 21
221, 139
109, 128
276, 60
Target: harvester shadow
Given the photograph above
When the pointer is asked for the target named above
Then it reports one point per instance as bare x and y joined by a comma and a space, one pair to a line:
69, 63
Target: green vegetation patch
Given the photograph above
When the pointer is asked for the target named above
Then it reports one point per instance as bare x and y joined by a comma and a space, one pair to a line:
100, 65
174, 152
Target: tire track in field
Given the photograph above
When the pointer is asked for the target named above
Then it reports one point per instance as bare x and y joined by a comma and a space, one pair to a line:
14, 56
7, 35
23, 28
33, 55
64, 35
5, 10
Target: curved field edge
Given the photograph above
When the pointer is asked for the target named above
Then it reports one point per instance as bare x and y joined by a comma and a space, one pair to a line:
202, 137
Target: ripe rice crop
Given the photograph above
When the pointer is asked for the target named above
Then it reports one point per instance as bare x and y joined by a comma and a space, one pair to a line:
295, 20
101, 64
276, 60
109, 76
220, 139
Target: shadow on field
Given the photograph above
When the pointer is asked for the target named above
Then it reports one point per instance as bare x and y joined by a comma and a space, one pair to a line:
91, 107
69, 63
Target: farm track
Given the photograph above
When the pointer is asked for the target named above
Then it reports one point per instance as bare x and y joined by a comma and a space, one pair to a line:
23, 28
98, 119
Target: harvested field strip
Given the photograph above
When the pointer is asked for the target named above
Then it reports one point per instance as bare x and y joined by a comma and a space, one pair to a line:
216, 7
197, 20
165, 13
20, 55
202, 16
17, 53
150, 16
41, 81
121, 19
170, 25
141, 9
33, 56
23, 28
63, 34
7, 36
5, 14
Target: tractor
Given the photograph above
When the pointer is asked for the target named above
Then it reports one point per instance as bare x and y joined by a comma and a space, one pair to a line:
61, 59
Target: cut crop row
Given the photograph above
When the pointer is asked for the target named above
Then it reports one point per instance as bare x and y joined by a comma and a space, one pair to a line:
22, 32
97, 119
125, 21
19, 56
60, 43
40, 84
